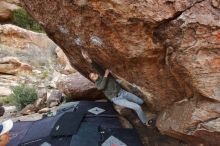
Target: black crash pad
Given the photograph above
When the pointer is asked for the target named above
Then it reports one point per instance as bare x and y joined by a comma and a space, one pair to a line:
127, 136
103, 121
35, 133
18, 132
40, 128
87, 135
58, 141
87, 105
68, 124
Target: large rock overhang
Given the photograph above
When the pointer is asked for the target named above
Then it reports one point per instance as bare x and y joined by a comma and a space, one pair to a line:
169, 49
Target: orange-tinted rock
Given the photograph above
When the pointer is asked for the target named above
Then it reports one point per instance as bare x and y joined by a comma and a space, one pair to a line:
195, 121
168, 48
192, 43
118, 35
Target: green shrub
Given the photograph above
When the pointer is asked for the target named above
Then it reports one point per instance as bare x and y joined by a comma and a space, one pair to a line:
7, 100
23, 95
21, 18
45, 74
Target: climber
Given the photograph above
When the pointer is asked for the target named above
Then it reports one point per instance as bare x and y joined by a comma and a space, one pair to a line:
5, 127
105, 82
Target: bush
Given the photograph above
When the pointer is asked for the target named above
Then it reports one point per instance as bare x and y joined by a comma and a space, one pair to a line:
7, 100
21, 18
45, 74
23, 95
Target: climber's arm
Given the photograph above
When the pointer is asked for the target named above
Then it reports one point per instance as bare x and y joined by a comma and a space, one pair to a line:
98, 68
95, 65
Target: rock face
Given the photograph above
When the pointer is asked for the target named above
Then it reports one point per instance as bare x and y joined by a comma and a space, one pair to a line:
77, 87
11, 65
19, 63
25, 44
9, 68
18, 49
168, 48
16, 37
195, 121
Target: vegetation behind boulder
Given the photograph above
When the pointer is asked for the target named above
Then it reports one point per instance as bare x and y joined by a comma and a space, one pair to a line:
23, 95
21, 18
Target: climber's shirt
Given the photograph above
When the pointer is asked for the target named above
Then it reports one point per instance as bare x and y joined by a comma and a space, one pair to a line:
108, 85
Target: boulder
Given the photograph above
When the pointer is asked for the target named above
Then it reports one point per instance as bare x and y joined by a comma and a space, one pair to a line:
77, 87
118, 35
28, 110
54, 98
197, 121
169, 49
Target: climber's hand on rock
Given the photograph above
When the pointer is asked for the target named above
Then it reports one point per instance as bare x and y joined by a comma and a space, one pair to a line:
106, 73
86, 56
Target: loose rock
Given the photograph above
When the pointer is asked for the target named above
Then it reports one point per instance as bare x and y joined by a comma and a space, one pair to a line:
54, 99
77, 87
